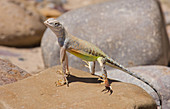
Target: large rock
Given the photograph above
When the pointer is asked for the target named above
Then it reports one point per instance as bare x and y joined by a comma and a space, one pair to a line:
40, 92
10, 73
158, 76
19, 26
130, 31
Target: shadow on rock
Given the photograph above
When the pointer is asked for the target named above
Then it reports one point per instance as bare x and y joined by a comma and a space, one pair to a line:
72, 78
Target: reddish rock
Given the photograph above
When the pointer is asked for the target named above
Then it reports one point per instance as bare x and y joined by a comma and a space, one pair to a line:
10, 73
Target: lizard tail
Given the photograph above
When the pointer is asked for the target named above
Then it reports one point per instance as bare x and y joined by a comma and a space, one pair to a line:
114, 64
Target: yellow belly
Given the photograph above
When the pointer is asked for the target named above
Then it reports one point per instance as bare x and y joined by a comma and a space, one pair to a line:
82, 56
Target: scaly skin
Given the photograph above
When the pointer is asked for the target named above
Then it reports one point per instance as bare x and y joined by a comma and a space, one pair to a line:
88, 52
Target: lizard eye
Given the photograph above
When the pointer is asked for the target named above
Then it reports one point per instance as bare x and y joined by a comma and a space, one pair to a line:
57, 24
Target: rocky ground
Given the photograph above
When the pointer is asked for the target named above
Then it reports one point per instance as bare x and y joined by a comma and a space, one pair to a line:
21, 48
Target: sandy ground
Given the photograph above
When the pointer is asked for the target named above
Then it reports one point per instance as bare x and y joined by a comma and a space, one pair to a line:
29, 59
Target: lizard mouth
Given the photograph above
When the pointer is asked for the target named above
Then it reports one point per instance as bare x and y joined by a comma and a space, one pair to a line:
46, 23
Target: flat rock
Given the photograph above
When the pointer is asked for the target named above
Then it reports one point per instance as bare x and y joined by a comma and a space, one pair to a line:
158, 76
127, 30
20, 25
40, 92
10, 73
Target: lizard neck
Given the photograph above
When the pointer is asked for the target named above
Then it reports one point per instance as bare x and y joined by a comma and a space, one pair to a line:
61, 35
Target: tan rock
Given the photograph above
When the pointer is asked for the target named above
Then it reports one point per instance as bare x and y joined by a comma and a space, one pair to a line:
74, 4
20, 26
39, 92
47, 12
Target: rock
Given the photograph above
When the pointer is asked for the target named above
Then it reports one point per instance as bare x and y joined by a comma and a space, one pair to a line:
50, 12
127, 30
10, 73
74, 4
158, 76
19, 26
43, 5
166, 9
39, 91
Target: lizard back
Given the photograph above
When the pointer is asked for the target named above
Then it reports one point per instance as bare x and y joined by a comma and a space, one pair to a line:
83, 49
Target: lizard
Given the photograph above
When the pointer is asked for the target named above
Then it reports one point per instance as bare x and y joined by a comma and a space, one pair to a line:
88, 52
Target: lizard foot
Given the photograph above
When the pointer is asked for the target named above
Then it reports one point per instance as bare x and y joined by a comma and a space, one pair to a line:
62, 82
108, 89
91, 66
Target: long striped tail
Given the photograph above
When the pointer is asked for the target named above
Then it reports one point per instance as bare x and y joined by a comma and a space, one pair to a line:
114, 64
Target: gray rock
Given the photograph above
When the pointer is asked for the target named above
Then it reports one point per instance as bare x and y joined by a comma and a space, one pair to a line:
130, 31
158, 76
20, 25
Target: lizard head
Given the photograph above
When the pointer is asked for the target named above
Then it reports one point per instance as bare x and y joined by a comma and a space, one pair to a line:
54, 25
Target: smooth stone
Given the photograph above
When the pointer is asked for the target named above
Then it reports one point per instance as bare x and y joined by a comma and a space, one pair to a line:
21, 26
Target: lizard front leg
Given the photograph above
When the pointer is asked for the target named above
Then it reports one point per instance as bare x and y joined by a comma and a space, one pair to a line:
64, 64
101, 61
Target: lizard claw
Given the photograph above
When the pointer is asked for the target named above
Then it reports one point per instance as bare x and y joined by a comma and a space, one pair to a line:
61, 83
64, 81
108, 89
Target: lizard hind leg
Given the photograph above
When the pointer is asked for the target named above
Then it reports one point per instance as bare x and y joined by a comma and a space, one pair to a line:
108, 88
91, 66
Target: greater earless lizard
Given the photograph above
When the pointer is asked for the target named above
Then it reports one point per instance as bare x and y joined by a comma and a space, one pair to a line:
88, 52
